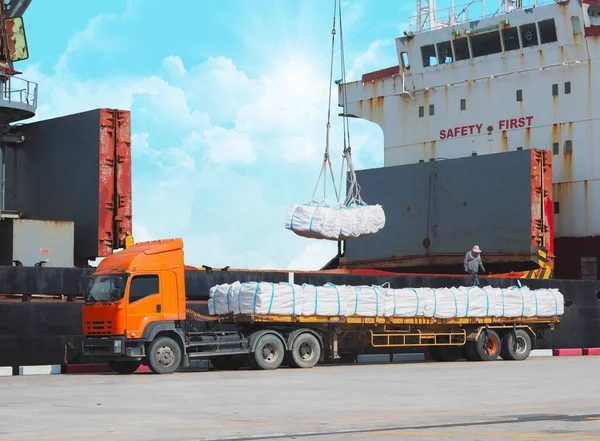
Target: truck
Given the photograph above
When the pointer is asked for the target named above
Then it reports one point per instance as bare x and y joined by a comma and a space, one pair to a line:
136, 313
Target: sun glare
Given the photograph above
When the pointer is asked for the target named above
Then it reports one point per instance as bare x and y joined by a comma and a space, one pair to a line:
296, 75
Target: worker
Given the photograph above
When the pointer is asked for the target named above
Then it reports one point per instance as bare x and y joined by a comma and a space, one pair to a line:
472, 264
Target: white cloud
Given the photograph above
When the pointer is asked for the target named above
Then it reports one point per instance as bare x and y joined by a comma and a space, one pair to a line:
219, 156
228, 146
380, 55
314, 256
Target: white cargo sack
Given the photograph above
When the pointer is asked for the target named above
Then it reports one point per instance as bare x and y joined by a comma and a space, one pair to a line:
266, 298
220, 297
366, 301
403, 302
335, 223
328, 300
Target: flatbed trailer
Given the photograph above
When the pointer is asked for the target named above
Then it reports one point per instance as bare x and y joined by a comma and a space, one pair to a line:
136, 313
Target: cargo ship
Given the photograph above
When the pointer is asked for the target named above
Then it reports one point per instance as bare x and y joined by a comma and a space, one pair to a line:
488, 122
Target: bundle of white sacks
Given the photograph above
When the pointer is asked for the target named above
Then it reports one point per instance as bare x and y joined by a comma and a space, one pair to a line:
265, 298
335, 223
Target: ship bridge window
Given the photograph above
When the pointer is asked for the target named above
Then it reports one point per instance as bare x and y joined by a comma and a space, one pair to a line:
405, 61
429, 56
547, 31
486, 44
511, 39
445, 52
461, 49
529, 35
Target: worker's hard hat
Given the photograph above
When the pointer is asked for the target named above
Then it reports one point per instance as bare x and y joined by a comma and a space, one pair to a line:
476, 249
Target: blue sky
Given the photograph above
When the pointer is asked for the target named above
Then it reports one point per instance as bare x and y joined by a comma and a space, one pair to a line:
228, 103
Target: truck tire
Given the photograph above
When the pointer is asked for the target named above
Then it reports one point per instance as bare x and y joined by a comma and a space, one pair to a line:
269, 352
445, 353
487, 346
164, 355
305, 352
124, 366
516, 346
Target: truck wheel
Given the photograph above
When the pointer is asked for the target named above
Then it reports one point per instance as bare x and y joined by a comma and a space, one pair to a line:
517, 346
306, 351
487, 346
164, 355
124, 366
445, 353
269, 352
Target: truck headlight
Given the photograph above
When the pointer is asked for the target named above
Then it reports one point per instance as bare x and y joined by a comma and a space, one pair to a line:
117, 346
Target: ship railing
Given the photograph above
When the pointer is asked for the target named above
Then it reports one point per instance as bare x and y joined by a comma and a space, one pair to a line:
15, 90
429, 19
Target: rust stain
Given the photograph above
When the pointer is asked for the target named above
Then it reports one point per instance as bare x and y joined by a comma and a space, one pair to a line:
434, 149
504, 141
555, 133
528, 138
379, 110
562, 53
568, 167
425, 152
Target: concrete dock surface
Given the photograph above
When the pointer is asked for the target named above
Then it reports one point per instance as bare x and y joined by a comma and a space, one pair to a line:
539, 398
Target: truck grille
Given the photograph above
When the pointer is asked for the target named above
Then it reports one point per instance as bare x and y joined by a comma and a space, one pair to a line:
99, 328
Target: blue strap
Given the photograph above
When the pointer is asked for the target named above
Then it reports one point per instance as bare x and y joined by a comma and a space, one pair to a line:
356, 300
536, 301
215, 300
239, 298
434, 302
338, 299
272, 296
394, 291
455, 304
555, 302
503, 302
487, 299
522, 302
376, 302
256, 292
417, 295
468, 301
316, 299
293, 299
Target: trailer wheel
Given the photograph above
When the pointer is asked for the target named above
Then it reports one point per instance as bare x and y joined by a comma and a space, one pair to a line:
305, 352
445, 353
516, 346
164, 355
269, 352
124, 366
487, 346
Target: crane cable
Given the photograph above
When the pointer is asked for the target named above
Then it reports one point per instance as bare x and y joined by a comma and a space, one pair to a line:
326, 157
353, 193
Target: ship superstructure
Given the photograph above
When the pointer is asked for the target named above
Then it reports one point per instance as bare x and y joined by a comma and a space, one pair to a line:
520, 78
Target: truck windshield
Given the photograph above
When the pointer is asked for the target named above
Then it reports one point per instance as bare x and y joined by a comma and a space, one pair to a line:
106, 288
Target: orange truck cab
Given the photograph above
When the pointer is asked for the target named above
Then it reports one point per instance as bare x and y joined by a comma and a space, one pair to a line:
135, 313
134, 303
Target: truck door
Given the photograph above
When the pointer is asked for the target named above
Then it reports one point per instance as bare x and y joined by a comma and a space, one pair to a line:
144, 303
